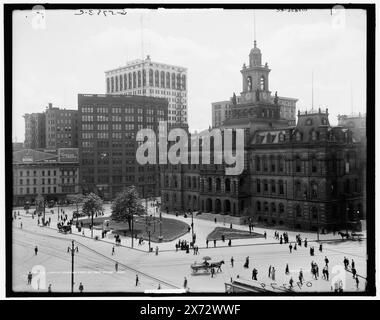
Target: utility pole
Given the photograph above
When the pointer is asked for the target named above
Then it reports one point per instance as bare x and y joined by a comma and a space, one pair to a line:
72, 249
132, 228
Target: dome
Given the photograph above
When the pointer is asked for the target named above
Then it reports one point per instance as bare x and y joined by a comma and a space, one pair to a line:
255, 49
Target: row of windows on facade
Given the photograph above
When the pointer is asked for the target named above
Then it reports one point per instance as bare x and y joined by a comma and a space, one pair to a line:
118, 110
28, 173
48, 181
118, 171
133, 80
273, 208
119, 179
116, 126
278, 163
86, 118
53, 128
193, 182
48, 190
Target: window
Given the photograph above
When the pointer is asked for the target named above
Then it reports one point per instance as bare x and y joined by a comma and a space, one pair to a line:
273, 186
265, 186
281, 187
258, 206
281, 208
258, 167
262, 83
298, 164
314, 190
298, 211
258, 186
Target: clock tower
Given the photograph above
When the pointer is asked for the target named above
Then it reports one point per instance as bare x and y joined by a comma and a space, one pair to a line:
255, 78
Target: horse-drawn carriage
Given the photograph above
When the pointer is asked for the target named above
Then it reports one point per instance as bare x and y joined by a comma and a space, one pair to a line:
206, 266
64, 228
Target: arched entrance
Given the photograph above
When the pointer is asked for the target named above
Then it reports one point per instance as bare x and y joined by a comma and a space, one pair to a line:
218, 206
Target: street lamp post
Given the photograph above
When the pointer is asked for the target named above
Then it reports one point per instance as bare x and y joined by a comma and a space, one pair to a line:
132, 228
149, 239
192, 226
72, 250
160, 238
347, 220
92, 223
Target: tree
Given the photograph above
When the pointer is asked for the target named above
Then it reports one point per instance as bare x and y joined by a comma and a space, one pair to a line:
126, 204
76, 198
92, 204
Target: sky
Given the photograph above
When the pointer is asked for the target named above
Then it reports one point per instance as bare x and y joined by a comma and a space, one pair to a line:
67, 54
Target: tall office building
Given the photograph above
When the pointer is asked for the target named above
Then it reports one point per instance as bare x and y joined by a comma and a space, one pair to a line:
220, 112
35, 136
108, 125
152, 79
61, 128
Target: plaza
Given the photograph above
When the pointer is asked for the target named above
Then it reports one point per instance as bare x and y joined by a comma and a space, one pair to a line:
95, 263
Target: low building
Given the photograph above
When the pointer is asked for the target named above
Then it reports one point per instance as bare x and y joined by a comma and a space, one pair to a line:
52, 175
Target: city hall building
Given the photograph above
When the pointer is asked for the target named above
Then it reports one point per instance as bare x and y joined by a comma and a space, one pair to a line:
304, 174
108, 126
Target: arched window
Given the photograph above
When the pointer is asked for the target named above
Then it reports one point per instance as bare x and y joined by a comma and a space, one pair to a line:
139, 79
151, 77
298, 164
173, 81
162, 79
194, 183
156, 79
144, 77
266, 207
273, 207
227, 185
189, 182
314, 190
168, 80
265, 182
184, 82
262, 83
178, 81
273, 186
130, 81
281, 187
281, 208
258, 185
125, 81
314, 165
218, 184
134, 80
298, 136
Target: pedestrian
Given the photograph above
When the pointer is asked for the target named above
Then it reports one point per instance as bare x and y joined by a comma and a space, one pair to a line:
20, 225
113, 250
207, 243
30, 277
116, 266
83, 232
305, 242
212, 272
273, 273
327, 274
246, 264
326, 261
215, 220
230, 225
214, 243
156, 250
290, 248
353, 270
49, 288
352, 264
300, 276
287, 269
35, 250
159, 287
81, 287
295, 246
291, 282
137, 280
232, 262
229, 242
185, 283
269, 271
357, 282
265, 234
320, 247
254, 274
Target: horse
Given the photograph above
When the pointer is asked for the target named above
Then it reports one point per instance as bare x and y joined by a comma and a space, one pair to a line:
343, 235
217, 265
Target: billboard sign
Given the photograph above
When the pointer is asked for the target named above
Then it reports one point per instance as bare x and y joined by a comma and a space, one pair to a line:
68, 155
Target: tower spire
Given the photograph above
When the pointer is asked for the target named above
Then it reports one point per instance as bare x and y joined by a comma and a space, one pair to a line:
312, 90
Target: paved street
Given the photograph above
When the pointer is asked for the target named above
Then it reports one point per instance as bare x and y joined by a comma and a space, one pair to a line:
95, 265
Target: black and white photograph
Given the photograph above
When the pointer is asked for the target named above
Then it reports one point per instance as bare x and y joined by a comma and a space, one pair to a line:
189, 150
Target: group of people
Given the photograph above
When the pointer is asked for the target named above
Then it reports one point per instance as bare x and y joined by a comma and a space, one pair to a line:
182, 245
284, 237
